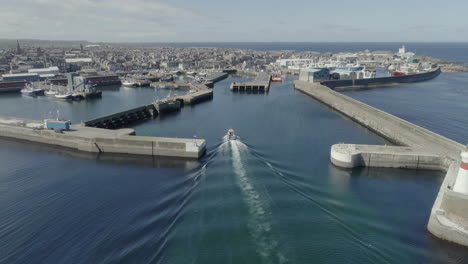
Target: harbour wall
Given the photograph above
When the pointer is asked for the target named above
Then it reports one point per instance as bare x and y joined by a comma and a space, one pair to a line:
423, 149
103, 140
352, 156
371, 82
396, 130
124, 118
128, 117
216, 77
449, 214
196, 97
261, 83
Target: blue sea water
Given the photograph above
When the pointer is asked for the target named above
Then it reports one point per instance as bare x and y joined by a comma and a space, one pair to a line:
271, 197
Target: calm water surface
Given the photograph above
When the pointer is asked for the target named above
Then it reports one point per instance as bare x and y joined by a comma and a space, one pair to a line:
271, 197
439, 105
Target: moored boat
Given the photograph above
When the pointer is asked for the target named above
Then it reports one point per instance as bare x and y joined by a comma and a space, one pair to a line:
77, 96
277, 78
63, 96
128, 83
50, 93
30, 90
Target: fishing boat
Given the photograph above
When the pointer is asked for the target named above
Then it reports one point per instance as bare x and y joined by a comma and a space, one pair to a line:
231, 135
128, 83
27, 90
30, 90
277, 78
63, 96
51, 91
77, 96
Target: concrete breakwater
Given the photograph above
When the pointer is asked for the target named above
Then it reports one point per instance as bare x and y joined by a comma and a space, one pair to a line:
216, 76
106, 134
99, 140
124, 118
199, 96
352, 156
397, 130
142, 113
423, 149
260, 84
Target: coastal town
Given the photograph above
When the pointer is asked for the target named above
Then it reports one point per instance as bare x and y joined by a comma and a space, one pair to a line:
145, 65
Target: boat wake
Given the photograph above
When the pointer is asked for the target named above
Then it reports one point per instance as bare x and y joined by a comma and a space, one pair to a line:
356, 236
259, 224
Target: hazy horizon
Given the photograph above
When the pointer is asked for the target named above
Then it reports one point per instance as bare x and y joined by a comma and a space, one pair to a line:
145, 21
273, 41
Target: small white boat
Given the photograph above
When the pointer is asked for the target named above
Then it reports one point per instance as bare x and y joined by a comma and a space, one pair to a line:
50, 93
63, 96
129, 83
231, 135
30, 90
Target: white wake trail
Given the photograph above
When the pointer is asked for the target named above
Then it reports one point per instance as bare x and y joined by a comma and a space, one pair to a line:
259, 224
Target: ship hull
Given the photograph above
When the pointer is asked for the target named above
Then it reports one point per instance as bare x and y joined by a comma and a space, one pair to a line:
12, 86
372, 82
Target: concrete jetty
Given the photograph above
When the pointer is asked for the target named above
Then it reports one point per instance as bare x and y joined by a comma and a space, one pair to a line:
201, 94
420, 149
396, 130
260, 84
124, 118
99, 140
352, 156
158, 107
216, 76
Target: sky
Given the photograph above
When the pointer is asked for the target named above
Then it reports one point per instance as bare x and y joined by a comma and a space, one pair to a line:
235, 20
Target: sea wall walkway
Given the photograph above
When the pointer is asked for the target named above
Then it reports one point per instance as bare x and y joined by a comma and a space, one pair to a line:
90, 139
423, 149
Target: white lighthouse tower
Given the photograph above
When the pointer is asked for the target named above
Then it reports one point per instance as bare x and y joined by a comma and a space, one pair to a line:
402, 50
461, 183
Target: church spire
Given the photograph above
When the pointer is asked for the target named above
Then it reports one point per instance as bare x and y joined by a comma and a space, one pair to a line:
18, 48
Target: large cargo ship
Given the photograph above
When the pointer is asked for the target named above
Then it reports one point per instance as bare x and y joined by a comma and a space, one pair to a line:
12, 86
371, 82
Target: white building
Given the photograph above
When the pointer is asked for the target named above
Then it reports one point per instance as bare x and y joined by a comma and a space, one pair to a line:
45, 71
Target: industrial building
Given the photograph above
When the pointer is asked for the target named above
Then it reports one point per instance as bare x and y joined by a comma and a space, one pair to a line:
314, 75
32, 77
50, 70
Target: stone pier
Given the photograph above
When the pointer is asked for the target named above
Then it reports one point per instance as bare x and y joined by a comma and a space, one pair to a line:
418, 148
